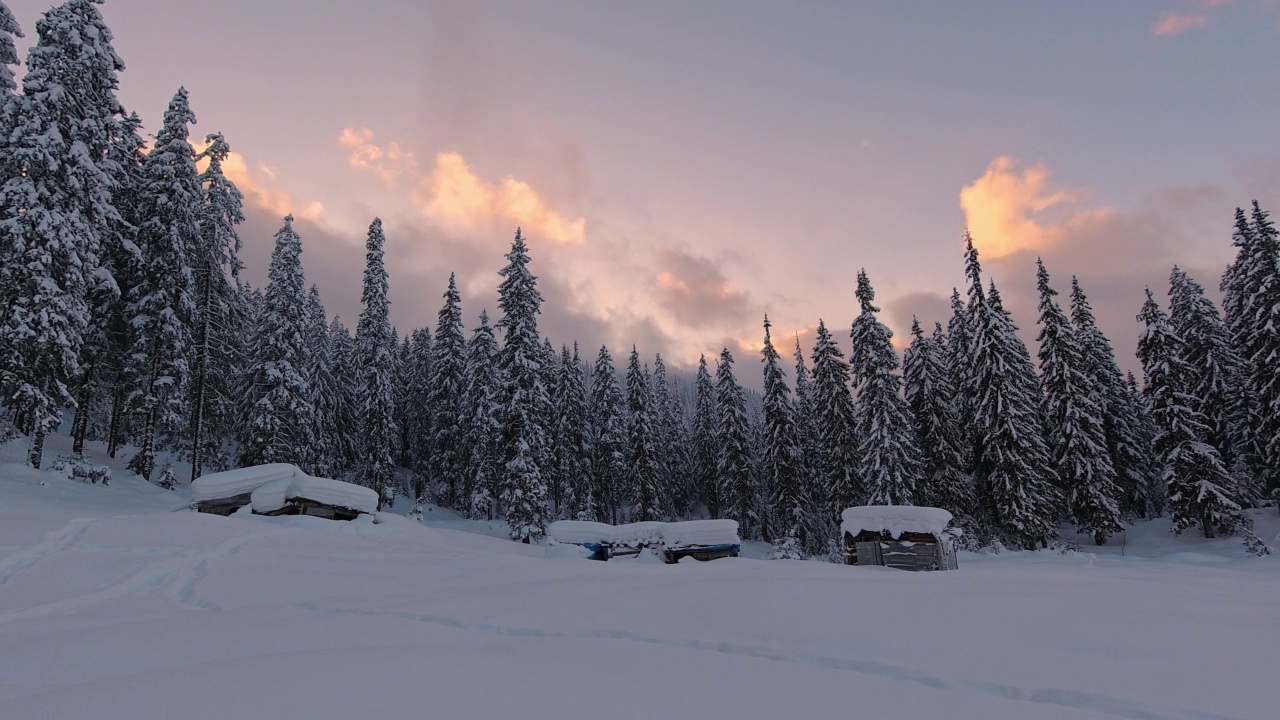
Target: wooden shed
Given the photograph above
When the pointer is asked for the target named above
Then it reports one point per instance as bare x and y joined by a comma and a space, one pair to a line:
903, 537
281, 489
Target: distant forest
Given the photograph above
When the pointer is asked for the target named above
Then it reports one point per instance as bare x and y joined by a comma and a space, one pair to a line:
124, 305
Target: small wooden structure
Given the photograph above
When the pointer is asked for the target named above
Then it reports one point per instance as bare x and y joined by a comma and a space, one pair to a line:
281, 489
902, 537
701, 553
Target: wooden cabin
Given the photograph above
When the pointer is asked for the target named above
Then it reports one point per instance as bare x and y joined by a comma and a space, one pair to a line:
281, 489
902, 537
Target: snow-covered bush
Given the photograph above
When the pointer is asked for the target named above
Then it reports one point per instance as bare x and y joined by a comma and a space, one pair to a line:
168, 479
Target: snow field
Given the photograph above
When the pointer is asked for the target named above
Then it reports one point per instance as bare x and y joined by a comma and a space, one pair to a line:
113, 606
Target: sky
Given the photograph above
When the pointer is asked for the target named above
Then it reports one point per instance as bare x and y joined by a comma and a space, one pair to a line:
682, 168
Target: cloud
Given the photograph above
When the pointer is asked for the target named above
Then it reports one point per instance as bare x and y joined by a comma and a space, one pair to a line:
259, 188
388, 163
461, 201
457, 199
1175, 23
929, 307
1010, 209
696, 292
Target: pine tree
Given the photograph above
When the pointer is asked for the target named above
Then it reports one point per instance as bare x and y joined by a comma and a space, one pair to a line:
781, 465
346, 401
280, 417
162, 307
448, 360
482, 421
1074, 426
834, 418
812, 481
1122, 413
522, 441
960, 366
609, 437
673, 449
888, 453
213, 258
9, 29
1011, 465
1215, 375
734, 477
572, 447
642, 461
932, 398
1251, 305
418, 417
325, 382
376, 346
705, 444
54, 207
1196, 480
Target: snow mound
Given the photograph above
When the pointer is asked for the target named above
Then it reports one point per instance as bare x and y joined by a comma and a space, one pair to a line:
241, 481
277, 493
895, 520
691, 533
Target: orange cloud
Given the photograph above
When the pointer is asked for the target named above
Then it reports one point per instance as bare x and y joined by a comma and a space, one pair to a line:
1004, 209
1175, 23
456, 198
388, 163
260, 191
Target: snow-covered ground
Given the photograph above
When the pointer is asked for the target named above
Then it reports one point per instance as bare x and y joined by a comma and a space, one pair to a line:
117, 603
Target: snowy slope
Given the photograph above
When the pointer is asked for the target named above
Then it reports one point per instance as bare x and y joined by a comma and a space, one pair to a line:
112, 605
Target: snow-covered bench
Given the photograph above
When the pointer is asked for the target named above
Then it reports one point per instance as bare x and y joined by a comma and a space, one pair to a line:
899, 536
281, 489
701, 539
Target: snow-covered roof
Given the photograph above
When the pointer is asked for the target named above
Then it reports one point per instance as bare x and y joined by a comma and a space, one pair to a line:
894, 519
230, 483
274, 495
672, 534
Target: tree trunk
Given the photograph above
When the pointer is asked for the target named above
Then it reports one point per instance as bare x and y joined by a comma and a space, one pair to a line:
80, 424
115, 430
201, 373
36, 453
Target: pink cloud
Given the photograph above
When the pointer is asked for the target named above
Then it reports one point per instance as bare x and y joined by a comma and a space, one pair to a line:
1175, 23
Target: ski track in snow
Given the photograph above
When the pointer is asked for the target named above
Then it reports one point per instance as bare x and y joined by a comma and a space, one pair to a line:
1059, 697
181, 575
55, 541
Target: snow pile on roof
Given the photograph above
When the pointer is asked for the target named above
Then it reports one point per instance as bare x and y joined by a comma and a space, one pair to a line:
276, 494
241, 481
577, 532
895, 520
673, 534
701, 532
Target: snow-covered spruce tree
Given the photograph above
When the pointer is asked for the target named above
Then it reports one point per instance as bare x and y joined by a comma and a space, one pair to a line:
1215, 377
213, 258
1012, 467
812, 479
448, 360
734, 476
1145, 431
376, 345
609, 435
834, 419
1196, 480
1074, 427
931, 397
346, 429
400, 392
673, 448
1122, 413
522, 440
9, 29
323, 370
959, 366
55, 204
1251, 305
105, 349
280, 418
781, 464
418, 429
889, 457
162, 304
480, 420
705, 444
642, 461
572, 447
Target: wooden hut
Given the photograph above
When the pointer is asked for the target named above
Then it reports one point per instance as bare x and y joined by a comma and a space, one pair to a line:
281, 489
903, 537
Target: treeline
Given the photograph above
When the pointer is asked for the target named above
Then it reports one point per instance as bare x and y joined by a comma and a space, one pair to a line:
123, 301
